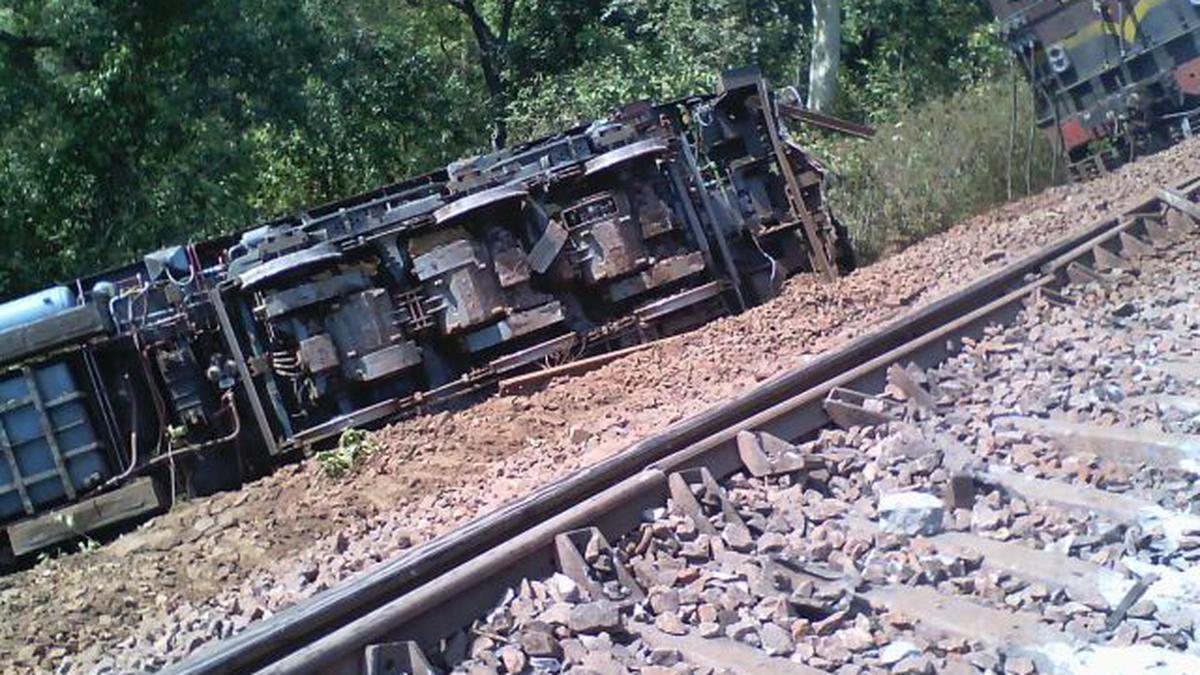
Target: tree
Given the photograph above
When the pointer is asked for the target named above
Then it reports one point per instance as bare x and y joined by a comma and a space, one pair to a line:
126, 126
493, 53
825, 64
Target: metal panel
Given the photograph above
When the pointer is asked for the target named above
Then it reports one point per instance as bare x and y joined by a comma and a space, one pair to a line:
235, 349
51, 451
130, 501
68, 326
516, 325
674, 303
56, 451
477, 201
547, 247
629, 153
292, 263
384, 362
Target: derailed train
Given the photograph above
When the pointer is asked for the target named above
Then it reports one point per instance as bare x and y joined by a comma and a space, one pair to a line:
1112, 78
206, 362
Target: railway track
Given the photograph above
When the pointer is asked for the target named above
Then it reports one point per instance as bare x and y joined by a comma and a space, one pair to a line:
998, 481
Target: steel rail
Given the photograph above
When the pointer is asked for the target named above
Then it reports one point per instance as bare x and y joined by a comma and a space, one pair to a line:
411, 595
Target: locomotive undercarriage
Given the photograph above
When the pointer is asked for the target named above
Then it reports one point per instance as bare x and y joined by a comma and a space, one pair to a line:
1112, 80
206, 363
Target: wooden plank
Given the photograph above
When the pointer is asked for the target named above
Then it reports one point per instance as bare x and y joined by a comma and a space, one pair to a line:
721, 654
1129, 446
134, 499
1120, 508
959, 617
1082, 580
522, 383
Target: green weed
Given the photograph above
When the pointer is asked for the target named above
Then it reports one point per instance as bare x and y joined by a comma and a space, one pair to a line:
935, 166
354, 446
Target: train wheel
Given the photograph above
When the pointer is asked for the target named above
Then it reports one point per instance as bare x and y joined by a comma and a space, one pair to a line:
214, 471
844, 255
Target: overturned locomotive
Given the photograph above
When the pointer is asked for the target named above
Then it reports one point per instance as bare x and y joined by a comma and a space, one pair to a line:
1112, 78
205, 363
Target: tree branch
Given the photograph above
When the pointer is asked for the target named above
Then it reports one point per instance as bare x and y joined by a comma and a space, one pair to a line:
491, 61
24, 42
506, 16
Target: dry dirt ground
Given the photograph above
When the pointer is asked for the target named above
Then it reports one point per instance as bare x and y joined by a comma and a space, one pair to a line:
211, 566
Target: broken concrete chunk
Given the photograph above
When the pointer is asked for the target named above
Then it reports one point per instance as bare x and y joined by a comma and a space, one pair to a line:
896, 652
594, 617
911, 513
669, 623
775, 640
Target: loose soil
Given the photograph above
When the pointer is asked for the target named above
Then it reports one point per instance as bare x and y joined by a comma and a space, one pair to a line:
211, 566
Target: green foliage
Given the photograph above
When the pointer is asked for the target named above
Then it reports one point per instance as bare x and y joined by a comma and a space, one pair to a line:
899, 54
939, 163
657, 49
126, 126
353, 447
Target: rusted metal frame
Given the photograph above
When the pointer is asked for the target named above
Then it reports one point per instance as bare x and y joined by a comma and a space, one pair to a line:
693, 168
361, 417
537, 378
326, 614
819, 253
426, 616
239, 357
829, 122
35, 397
689, 211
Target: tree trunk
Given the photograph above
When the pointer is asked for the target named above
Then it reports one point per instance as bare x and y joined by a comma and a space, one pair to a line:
492, 47
491, 62
826, 55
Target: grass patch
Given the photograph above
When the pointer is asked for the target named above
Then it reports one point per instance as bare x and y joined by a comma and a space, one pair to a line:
936, 165
354, 446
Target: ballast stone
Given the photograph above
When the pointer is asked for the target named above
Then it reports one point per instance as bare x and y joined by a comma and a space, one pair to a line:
896, 652
911, 513
594, 617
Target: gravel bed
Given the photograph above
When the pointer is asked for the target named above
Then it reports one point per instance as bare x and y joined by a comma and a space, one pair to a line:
213, 566
790, 574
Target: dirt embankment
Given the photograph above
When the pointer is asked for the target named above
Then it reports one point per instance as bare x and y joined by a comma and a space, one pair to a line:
210, 567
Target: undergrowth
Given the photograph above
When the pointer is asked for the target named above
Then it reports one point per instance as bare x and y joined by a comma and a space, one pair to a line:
936, 165
354, 446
